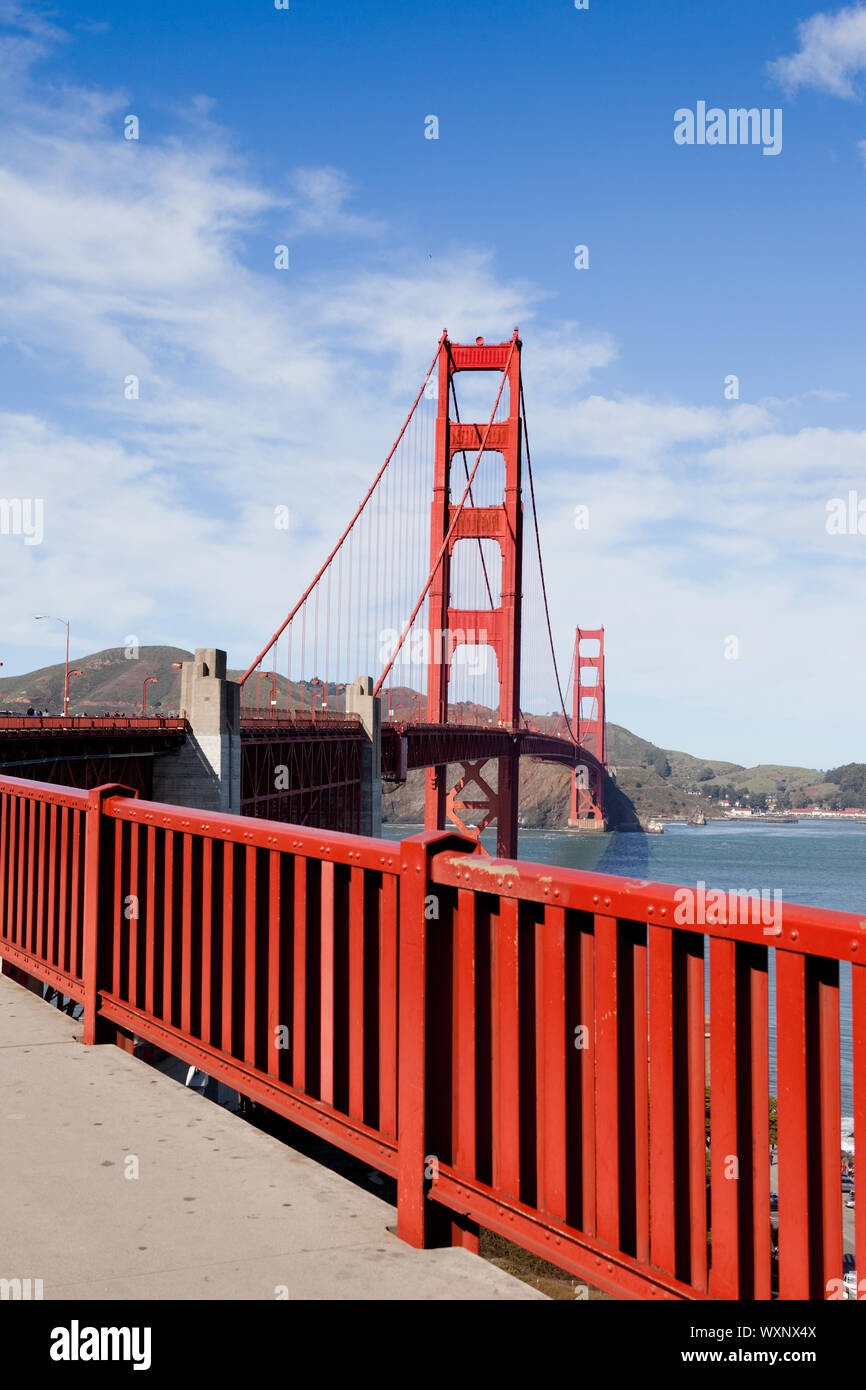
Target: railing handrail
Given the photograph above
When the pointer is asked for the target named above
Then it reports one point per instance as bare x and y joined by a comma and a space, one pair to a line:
337, 846
60, 723
46, 791
813, 931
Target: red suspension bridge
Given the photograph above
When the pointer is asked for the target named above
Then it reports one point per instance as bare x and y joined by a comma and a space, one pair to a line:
429, 594
444, 1052
437, 609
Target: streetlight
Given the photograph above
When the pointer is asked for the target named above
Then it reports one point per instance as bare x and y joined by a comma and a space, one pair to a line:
46, 617
268, 676
76, 672
314, 681
147, 681
178, 666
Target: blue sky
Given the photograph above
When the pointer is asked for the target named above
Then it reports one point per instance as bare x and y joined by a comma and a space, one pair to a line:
258, 126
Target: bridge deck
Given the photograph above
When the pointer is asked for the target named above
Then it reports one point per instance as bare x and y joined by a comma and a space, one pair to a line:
219, 1210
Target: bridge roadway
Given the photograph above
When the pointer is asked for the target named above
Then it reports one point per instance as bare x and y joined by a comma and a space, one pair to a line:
218, 1210
321, 754
28, 742
84, 751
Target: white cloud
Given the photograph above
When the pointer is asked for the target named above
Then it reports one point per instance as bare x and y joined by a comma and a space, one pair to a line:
260, 387
831, 56
319, 205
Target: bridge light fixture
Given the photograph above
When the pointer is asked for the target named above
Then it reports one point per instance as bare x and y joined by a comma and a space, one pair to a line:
76, 672
147, 681
268, 676
47, 617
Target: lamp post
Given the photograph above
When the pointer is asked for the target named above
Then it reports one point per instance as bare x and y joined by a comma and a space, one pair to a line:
268, 676
314, 681
47, 617
146, 683
76, 672
178, 666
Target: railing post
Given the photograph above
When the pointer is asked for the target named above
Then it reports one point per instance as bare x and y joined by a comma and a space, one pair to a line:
95, 914
413, 1224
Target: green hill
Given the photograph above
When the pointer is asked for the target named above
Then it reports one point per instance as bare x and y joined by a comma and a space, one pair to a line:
650, 781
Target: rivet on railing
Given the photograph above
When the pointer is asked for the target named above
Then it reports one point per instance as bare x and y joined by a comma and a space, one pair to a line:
853, 945
664, 912
650, 908
595, 898
794, 935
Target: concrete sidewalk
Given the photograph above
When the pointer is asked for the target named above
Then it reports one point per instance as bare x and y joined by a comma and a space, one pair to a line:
218, 1210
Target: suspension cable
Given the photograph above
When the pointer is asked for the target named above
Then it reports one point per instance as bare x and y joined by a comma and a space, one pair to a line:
444, 546
541, 563
280, 630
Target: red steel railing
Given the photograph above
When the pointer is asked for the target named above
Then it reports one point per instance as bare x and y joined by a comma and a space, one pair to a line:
549, 1026
39, 724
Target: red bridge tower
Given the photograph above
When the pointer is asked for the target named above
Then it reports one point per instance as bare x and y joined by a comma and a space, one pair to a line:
587, 788
503, 524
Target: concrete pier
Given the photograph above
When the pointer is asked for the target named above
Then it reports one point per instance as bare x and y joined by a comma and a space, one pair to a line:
206, 772
360, 700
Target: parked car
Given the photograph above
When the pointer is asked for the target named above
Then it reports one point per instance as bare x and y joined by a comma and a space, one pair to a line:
774, 1201
850, 1199
847, 1184
849, 1275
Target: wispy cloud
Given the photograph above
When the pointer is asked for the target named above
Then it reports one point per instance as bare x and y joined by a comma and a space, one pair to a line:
831, 56
260, 387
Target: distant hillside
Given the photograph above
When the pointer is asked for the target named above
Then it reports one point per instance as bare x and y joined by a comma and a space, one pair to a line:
110, 680
649, 781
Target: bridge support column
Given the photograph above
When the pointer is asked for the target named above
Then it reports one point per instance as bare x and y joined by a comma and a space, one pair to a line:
206, 772
500, 623
360, 700
588, 724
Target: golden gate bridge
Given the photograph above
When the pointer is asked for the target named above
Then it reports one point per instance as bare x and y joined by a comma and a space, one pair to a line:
522, 1047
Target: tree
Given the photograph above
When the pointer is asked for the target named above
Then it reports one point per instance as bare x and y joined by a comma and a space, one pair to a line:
657, 759
850, 778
